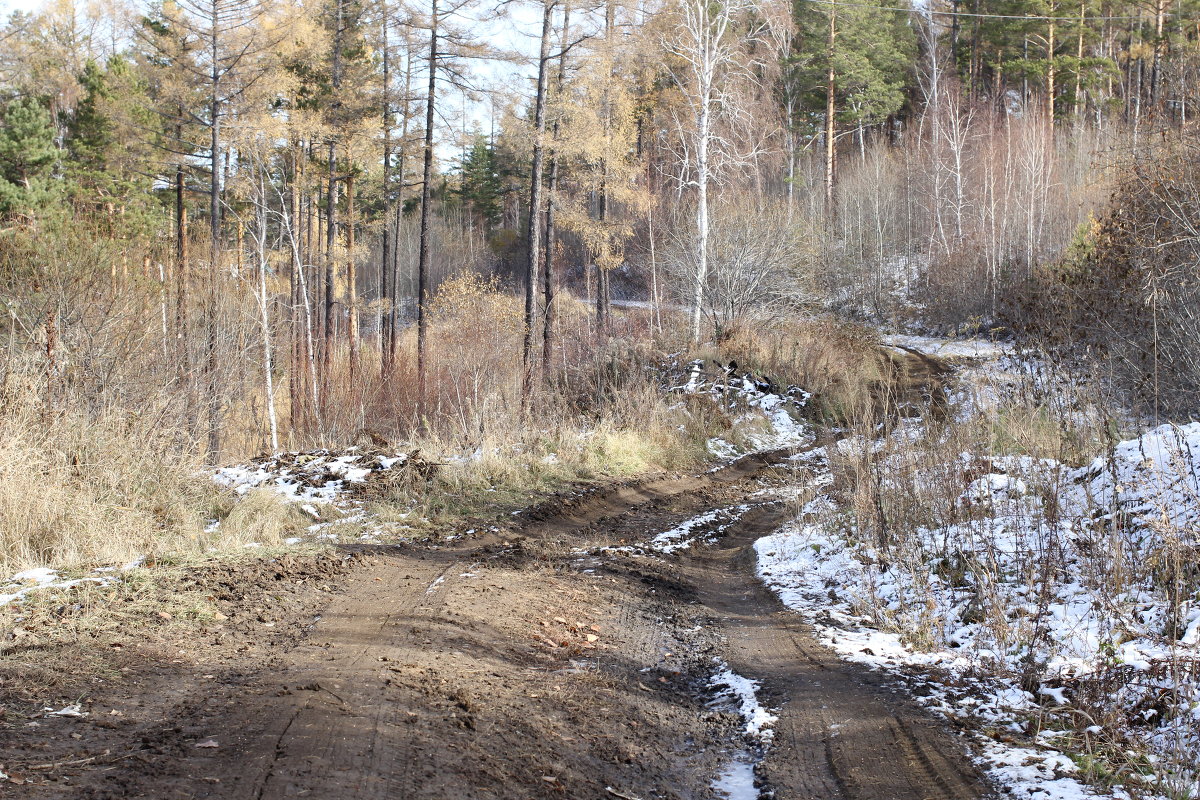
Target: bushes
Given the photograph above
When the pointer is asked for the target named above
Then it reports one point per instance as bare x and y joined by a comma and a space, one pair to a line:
1126, 294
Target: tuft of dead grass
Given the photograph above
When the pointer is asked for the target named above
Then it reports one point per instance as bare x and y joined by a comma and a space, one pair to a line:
79, 490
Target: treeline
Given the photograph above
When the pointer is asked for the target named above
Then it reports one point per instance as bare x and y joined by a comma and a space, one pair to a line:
239, 213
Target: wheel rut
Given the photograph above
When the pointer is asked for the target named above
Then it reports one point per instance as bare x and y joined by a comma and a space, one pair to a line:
512, 666
842, 733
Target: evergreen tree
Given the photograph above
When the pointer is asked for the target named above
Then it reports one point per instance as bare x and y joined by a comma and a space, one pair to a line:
27, 157
481, 186
851, 66
106, 143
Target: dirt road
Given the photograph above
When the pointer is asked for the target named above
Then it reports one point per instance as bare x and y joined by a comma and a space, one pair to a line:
548, 661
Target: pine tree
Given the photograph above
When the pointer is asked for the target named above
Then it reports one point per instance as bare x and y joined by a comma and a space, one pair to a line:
27, 157
107, 145
850, 68
481, 185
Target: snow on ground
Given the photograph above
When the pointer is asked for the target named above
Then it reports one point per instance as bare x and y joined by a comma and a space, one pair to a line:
743, 693
701, 529
766, 414
705, 526
947, 348
32, 580
1059, 574
327, 487
318, 476
736, 781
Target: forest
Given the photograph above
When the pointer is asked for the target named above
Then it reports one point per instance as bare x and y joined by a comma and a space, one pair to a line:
883, 312
242, 212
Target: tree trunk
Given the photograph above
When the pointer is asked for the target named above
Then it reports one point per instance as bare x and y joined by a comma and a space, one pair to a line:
703, 125
830, 124
1160, 13
1051, 75
214, 211
352, 321
394, 323
550, 285
535, 201
331, 224
427, 180
603, 295
385, 316
296, 350
264, 315
183, 354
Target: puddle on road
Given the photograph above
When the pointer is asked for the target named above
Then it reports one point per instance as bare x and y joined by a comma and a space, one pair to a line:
736, 781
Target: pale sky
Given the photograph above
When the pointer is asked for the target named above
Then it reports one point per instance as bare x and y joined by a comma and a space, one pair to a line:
9, 6
517, 31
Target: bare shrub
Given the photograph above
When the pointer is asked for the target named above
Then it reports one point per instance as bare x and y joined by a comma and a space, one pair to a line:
760, 262
1125, 295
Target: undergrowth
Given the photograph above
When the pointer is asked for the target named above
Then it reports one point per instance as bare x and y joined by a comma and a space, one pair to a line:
974, 527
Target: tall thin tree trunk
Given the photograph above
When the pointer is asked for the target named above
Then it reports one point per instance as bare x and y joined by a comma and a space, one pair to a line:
214, 211
183, 353
1051, 74
535, 201
385, 261
264, 313
703, 128
603, 295
830, 123
352, 322
1079, 63
330, 261
426, 186
394, 323
331, 224
550, 285
1160, 13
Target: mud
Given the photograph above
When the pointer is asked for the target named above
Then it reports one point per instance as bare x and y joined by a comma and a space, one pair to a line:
527, 663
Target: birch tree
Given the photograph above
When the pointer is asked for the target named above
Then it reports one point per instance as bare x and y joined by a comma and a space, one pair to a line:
710, 56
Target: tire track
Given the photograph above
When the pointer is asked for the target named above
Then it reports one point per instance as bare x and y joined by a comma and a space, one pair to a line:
840, 734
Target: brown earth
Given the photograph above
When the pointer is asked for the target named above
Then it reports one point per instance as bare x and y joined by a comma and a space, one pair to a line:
528, 663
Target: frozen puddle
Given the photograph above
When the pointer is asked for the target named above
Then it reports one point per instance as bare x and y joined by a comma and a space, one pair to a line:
740, 694
736, 781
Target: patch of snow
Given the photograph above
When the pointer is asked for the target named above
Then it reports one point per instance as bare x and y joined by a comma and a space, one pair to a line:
743, 692
758, 400
682, 537
31, 580
73, 710
1030, 555
948, 348
39, 576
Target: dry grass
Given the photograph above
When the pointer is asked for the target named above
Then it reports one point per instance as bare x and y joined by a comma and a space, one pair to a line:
839, 362
78, 490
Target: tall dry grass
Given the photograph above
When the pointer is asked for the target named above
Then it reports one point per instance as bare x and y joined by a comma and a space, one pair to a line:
902, 500
79, 489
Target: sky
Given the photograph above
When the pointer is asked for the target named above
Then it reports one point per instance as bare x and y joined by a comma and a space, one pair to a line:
9, 6
517, 32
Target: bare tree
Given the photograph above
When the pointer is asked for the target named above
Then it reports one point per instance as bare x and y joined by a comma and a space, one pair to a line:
711, 42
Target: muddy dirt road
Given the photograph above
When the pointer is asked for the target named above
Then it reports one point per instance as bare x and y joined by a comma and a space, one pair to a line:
553, 660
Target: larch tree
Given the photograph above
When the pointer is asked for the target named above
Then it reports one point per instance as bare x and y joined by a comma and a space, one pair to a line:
599, 111
233, 43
